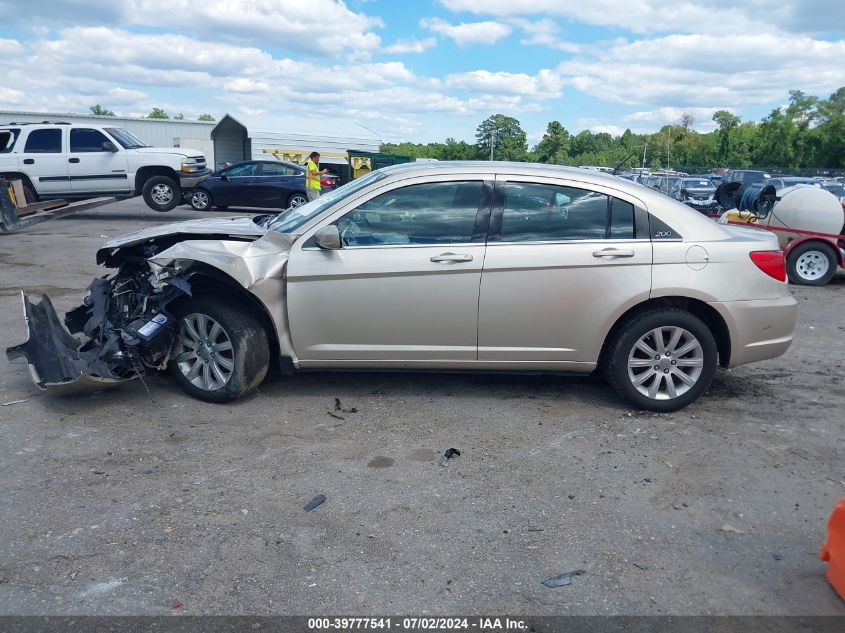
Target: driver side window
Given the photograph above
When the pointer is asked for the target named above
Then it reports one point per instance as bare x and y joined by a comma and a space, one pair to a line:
428, 213
246, 169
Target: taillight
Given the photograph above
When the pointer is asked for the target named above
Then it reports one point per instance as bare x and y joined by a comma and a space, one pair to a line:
327, 182
770, 262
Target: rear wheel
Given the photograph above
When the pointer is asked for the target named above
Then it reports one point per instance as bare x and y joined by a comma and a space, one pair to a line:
222, 353
201, 200
661, 360
296, 200
811, 264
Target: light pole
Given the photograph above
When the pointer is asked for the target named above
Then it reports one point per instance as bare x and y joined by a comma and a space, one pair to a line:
492, 142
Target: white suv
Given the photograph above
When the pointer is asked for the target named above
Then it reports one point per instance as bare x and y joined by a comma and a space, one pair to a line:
61, 160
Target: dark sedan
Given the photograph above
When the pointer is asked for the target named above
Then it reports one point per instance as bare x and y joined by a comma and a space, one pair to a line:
255, 183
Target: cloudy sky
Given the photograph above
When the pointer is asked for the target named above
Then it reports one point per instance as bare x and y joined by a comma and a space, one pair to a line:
424, 70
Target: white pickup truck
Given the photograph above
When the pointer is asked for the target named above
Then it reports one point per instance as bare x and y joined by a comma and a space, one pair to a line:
62, 160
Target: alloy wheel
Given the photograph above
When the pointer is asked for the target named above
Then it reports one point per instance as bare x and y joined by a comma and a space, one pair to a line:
162, 194
665, 363
199, 200
206, 356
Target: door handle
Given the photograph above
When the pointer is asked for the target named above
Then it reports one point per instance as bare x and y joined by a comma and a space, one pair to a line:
28, 161
73, 160
612, 252
451, 257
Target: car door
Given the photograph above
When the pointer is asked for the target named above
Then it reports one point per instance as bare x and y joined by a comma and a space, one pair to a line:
277, 181
403, 289
93, 168
44, 159
237, 186
564, 260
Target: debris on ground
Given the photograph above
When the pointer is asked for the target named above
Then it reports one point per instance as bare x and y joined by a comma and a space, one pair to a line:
563, 579
72, 575
777, 556
337, 405
316, 501
176, 605
841, 482
727, 527
449, 454
339, 409
638, 566
9, 404
335, 415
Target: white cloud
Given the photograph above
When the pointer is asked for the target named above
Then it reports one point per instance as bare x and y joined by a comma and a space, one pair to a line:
245, 84
401, 47
545, 83
544, 32
10, 95
465, 34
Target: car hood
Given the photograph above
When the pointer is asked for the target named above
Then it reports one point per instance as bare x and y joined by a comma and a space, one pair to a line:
235, 227
180, 151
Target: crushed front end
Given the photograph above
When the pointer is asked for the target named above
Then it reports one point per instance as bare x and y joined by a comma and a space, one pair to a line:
122, 329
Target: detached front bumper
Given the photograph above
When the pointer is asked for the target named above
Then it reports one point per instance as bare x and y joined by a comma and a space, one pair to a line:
189, 181
57, 358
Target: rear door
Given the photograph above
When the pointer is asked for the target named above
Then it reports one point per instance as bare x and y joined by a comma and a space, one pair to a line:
43, 157
276, 183
403, 289
564, 260
92, 168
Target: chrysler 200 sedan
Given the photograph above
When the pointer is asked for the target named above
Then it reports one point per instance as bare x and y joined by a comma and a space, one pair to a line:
450, 266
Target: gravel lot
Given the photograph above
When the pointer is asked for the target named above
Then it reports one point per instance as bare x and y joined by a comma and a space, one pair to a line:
114, 503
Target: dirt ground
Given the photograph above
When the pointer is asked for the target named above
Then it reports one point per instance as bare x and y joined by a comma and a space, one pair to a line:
118, 503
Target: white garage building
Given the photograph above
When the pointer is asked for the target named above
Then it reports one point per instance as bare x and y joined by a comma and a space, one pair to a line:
231, 139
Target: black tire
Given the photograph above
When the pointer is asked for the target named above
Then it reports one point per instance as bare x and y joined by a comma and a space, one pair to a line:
296, 199
248, 356
162, 193
806, 262
622, 348
201, 200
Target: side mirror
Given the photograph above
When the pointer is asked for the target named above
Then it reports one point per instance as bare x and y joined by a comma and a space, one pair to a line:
108, 146
328, 237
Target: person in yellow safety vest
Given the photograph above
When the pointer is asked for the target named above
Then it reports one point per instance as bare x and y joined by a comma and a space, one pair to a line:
312, 176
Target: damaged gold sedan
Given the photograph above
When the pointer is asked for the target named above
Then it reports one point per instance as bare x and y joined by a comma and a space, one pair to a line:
438, 266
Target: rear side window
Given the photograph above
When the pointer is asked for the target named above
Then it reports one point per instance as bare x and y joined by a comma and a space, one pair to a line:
87, 140
269, 169
47, 141
7, 140
429, 213
535, 212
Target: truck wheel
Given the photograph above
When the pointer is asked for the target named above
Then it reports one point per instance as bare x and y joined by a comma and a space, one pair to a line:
661, 360
201, 200
222, 352
811, 264
162, 193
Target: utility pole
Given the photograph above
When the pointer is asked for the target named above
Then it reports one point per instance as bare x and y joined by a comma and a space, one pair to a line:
645, 147
668, 142
492, 142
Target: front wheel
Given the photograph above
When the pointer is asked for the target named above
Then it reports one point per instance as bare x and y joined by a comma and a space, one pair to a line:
811, 264
661, 360
162, 193
222, 353
201, 200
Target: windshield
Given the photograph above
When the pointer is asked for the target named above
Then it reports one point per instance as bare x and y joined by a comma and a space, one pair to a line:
695, 183
125, 138
291, 219
836, 190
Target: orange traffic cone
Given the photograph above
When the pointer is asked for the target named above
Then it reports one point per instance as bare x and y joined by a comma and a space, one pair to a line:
833, 550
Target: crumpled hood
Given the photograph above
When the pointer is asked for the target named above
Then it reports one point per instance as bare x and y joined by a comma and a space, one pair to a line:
235, 227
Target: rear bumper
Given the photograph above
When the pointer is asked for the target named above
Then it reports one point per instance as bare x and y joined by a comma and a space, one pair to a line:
759, 329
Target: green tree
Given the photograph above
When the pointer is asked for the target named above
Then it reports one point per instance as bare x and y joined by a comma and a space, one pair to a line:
158, 113
727, 122
554, 146
205, 117
99, 110
509, 139
179, 117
